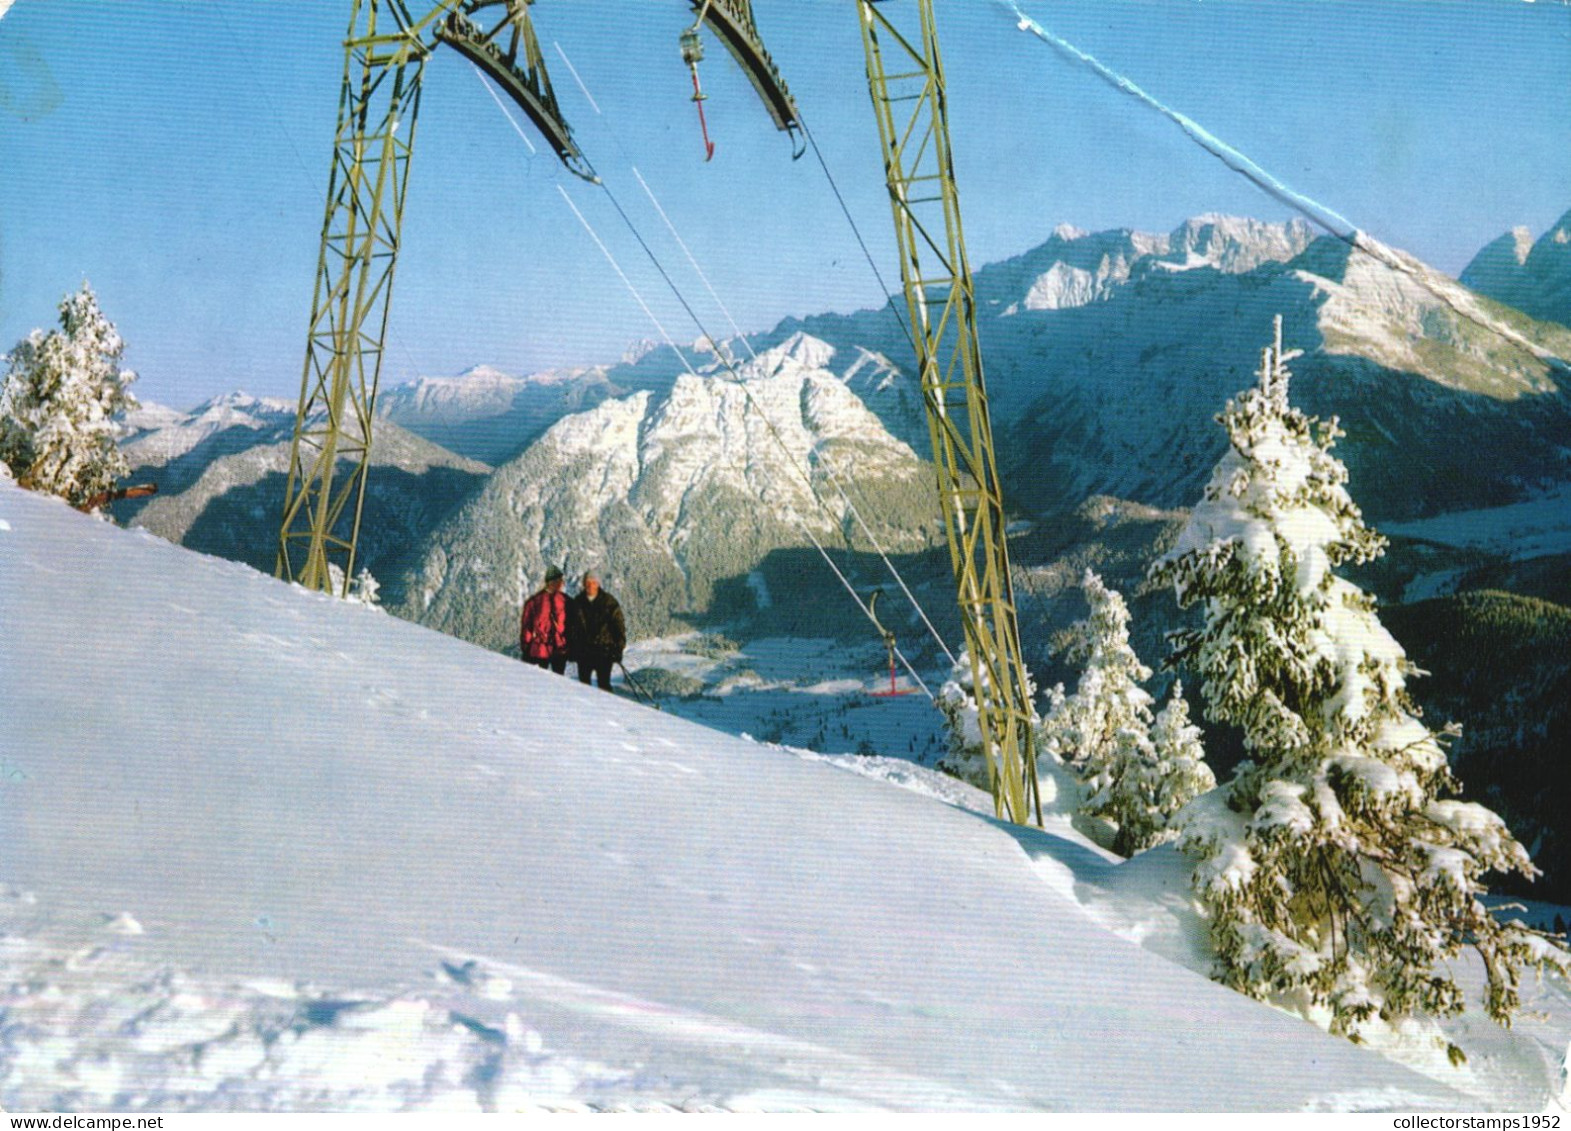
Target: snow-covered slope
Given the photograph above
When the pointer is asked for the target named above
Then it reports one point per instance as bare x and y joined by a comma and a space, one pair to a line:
1383, 305
670, 496
1532, 528
263, 849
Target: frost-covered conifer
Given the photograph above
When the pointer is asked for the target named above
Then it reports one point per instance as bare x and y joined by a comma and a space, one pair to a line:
956, 700
963, 755
1181, 774
57, 402
1335, 870
1104, 733
365, 589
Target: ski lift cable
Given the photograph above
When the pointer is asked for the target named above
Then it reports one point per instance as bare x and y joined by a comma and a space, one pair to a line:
1331, 221
828, 468
610, 258
736, 378
774, 432
719, 353
894, 309
572, 70
616, 138
723, 355
517, 129
845, 209
617, 267
693, 262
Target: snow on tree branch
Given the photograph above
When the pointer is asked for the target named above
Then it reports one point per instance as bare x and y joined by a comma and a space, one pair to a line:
1137, 770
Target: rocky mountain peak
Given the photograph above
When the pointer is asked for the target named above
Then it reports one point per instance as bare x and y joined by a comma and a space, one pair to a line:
673, 493
1235, 244
155, 435
1074, 268
1533, 276
800, 349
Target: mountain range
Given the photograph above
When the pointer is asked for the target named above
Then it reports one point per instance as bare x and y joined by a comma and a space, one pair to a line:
1108, 354
220, 472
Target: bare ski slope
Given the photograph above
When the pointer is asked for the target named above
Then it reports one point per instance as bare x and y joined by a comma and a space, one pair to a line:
263, 849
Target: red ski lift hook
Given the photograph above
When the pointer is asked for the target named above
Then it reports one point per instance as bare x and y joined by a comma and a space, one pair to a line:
692, 55
889, 643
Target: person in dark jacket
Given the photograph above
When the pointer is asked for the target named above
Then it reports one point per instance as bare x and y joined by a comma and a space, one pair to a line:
542, 629
596, 632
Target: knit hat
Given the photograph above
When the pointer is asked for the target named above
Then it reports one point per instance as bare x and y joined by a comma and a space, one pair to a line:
553, 573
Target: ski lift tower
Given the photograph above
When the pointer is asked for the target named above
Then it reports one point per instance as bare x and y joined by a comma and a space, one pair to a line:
385, 52
905, 77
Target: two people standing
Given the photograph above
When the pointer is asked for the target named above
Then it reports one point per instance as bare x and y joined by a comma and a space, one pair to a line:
588, 629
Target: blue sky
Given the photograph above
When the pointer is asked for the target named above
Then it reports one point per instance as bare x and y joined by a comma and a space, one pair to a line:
175, 154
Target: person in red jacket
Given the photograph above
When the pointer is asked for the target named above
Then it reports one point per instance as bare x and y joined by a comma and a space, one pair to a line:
542, 630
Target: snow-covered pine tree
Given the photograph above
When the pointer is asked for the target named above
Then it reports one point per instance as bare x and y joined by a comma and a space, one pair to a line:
57, 402
956, 701
1335, 870
1059, 791
1103, 732
367, 589
1181, 771
364, 589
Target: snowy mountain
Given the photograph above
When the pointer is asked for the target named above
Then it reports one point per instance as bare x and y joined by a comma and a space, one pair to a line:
1108, 354
1072, 269
441, 880
1533, 276
488, 415
220, 473
1075, 267
491, 416
157, 435
1233, 244
1123, 391
673, 496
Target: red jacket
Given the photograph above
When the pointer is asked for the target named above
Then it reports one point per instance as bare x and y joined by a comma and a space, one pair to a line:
542, 630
